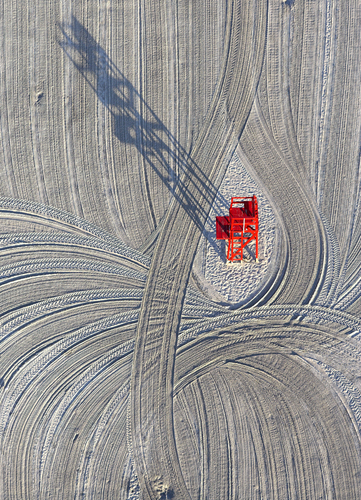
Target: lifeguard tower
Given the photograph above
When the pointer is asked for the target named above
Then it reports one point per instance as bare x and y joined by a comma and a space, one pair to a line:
240, 227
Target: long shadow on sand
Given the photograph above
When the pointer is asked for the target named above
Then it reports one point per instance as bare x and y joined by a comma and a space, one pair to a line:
158, 147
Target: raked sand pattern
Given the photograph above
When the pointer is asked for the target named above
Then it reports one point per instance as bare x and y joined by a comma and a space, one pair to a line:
135, 363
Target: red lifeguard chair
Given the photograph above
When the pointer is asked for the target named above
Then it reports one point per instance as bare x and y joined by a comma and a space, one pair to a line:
240, 227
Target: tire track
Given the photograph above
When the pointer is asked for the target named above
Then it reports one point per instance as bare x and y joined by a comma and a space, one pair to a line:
301, 262
270, 144
8, 178
114, 368
151, 387
317, 442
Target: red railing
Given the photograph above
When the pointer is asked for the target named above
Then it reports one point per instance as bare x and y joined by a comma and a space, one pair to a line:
240, 228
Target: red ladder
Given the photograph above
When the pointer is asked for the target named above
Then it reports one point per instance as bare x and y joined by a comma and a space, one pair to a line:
240, 228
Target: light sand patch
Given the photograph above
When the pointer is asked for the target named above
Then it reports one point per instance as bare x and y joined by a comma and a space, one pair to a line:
234, 282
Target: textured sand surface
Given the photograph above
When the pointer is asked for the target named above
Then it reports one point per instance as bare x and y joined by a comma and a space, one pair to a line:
134, 362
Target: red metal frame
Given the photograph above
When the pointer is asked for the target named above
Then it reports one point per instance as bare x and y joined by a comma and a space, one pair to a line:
240, 228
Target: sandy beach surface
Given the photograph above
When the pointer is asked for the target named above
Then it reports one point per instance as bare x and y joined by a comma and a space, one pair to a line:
136, 363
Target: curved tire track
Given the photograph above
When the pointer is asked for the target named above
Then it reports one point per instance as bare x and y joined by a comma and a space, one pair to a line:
153, 366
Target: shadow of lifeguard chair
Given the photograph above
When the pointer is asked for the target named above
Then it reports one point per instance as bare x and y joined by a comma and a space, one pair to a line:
240, 227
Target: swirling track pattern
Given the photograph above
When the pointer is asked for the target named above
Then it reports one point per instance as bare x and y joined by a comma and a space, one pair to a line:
119, 378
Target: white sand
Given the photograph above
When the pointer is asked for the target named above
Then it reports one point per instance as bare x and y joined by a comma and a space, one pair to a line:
118, 378
235, 282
